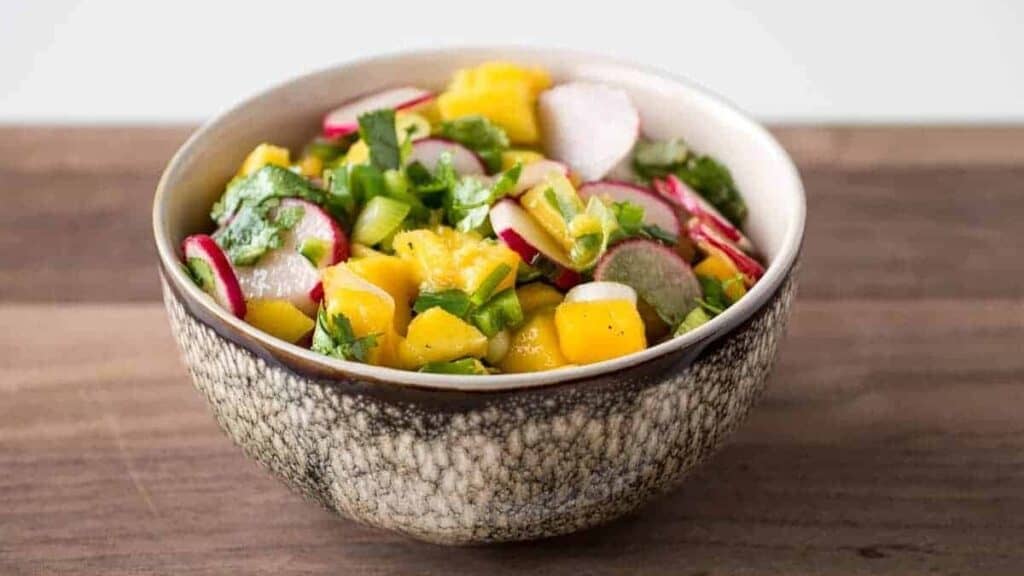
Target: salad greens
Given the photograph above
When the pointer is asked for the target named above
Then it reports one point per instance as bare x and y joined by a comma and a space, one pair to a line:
479, 135
334, 337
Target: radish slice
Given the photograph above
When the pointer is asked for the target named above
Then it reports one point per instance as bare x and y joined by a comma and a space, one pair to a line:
428, 152
659, 276
517, 229
535, 172
599, 291
344, 120
292, 272
211, 269
657, 212
710, 241
590, 127
677, 192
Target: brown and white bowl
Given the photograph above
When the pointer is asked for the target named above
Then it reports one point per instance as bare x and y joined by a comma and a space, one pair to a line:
470, 459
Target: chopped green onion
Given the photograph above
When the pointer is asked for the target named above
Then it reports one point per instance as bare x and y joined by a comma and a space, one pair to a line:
463, 366
503, 311
490, 284
380, 217
314, 249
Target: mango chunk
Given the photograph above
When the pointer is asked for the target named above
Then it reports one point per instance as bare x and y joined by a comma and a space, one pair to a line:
279, 318
446, 258
396, 277
537, 295
503, 92
369, 309
439, 336
554, 203
509, 158
263, 155
358, 153
476, 261
430, 256
599, 330
535, 345
311, 166
721, 268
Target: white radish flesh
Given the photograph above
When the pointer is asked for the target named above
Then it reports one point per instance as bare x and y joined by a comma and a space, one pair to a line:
344, 120
429, 150
601, 291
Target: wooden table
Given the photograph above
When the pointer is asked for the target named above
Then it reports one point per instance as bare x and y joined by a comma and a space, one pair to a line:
891, 439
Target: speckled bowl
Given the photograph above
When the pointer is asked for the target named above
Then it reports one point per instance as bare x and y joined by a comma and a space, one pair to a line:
463, 459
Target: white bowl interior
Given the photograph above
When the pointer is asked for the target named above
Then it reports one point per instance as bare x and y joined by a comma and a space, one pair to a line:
290, 115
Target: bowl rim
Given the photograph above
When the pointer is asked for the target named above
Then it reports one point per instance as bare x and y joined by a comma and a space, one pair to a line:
718, 327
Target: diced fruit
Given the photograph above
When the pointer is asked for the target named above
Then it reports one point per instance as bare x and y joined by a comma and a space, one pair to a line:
439, 336
288, 273
720, 267
311, 166
379, 219
503, 93
676, 191
344, 120
510, 158
592, 331
590, 127
598, 291
429, 150
710, 242
537, 172
534, 346
369, 309
477, 261
554, 204
279, 318
657, 212
660, 277
358, 153
263, 155
396, 277
210, 268
446, 259
430, 256
537, 295
521, 233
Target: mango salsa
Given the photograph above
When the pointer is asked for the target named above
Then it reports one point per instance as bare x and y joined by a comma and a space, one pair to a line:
439, 336
502, 92
535, 345
263, 155
599, 330
278, 318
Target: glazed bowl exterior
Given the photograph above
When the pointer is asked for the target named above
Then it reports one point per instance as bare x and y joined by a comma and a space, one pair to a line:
466, 460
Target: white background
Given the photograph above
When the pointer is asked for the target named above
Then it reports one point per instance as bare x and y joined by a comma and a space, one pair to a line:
183, 60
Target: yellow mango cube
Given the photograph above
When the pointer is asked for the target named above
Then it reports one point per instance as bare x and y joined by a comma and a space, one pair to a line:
430, 255
598, 330
536, 296
502, 92
439, 336
510, 158
396, 277
445, 258
311, 166
476, 261
535, 345
369, 309
279, 318
263, 155
358, 153
721, 268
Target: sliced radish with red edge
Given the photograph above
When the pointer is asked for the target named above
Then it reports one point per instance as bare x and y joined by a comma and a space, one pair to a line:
520, 232
344, 119
590, 127
660, 277
710, 241
657, 212
535, 172
212, 271
429, 150
677, 192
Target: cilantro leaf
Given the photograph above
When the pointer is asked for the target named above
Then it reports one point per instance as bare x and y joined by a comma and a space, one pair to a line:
469, 202
336, 339
479, 135
715, 300
714, 182
267, 183
377, 129
654, 159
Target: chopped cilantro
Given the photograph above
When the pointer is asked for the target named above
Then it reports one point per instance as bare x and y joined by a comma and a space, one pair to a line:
377, 129
463, 366
336, 339
479, 135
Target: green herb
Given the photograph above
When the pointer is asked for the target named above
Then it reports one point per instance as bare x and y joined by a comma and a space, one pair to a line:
479, 135
314, 249
714, 182
340, 199
654, 159
255, 230
491, 282
587, 248
693, 320
630, 217
327, 150
714, 300
463, 366
455, 302
469, 202
563, 205
287, 217
336, 339
527, 273
269, 182
200, 272
656, 233
502, 311
432, 189
377, 129
367, 182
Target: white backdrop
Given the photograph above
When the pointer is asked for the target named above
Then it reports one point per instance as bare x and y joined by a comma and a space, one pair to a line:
183, 60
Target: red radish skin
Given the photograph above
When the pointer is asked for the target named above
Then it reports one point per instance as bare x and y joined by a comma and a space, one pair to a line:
534, 173
711, 242
680, 194
590, 127
657, 212
287, 274
518, 230
227, 292
428, 152
344, 120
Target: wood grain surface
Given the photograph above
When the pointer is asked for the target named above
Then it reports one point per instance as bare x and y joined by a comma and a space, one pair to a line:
890, 441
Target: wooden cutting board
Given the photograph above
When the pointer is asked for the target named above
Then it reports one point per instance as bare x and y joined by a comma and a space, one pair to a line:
891, 440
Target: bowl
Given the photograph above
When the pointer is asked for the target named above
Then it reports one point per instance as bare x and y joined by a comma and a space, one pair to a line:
470, 459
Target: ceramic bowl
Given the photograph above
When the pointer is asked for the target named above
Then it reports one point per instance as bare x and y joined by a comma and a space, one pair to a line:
469, 459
